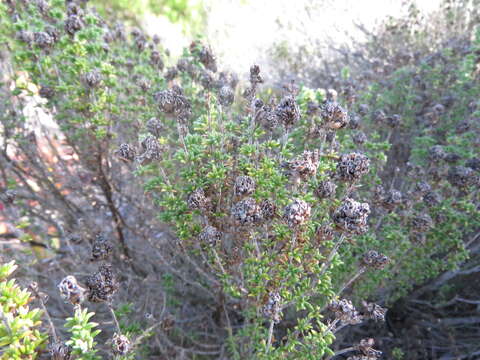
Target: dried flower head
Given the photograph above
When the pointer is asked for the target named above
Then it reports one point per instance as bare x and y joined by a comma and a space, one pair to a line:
126, 152
432, 198
463, 127
71, 291
207, 58
334, 116
226, 96
421, 223
156, 59
288, 111
155, 127
120, 345
246, 212
255, 77
266, 116
473, 163
244, 185
297, 213
379, 116
8, 196
53, 32
351, 216
171, 73
359, 138
365, 347
326, 189
151, 150
207, 80
25, 36
351, 167
452, 158
42, 39
73, 24
267, 209
272, 309
46, 92
210, 236
422, 187
354, 121
101, 248
304, 166
373, 311
391, 199
172, 101
92, 79
394, 120
226, 78
363, 109
102, 285
436, 153
345, 311
60, 351
462, 177
197, 201
375, 260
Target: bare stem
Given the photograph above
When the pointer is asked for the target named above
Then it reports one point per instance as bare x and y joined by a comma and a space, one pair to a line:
352, 279
270, 335
114, 317
334, 251
340, 352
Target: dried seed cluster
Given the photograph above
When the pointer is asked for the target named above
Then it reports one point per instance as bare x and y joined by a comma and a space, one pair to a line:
272, 309
326, 189
172, 101
197, 200
210, 236
373, 311
120, 345
462, 177
375, 260
151, 150
297, 213
101, 248
352, 216
246, 212
304, 167
244, 185
60, 351
126, 152
345, 311
351, 167
334, 116
387, 199
8, 196
366, 348
288, 111
71, 291
421, 223
155, 127
102, 285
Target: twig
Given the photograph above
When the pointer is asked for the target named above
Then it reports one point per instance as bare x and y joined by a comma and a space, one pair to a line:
270, 335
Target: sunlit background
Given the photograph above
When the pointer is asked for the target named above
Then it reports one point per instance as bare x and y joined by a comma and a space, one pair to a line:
243, 32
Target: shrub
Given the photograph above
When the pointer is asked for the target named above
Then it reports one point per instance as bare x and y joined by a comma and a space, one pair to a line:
268, 196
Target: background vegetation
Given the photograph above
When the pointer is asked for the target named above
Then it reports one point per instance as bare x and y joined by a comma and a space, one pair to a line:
162, 207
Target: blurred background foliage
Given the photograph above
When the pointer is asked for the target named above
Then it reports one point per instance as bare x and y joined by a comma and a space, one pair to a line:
190, 14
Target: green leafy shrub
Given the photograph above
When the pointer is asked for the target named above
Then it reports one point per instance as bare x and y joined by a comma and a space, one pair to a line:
20, 335
268, 192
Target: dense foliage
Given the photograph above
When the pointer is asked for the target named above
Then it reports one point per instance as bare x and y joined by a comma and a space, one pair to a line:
266, 220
